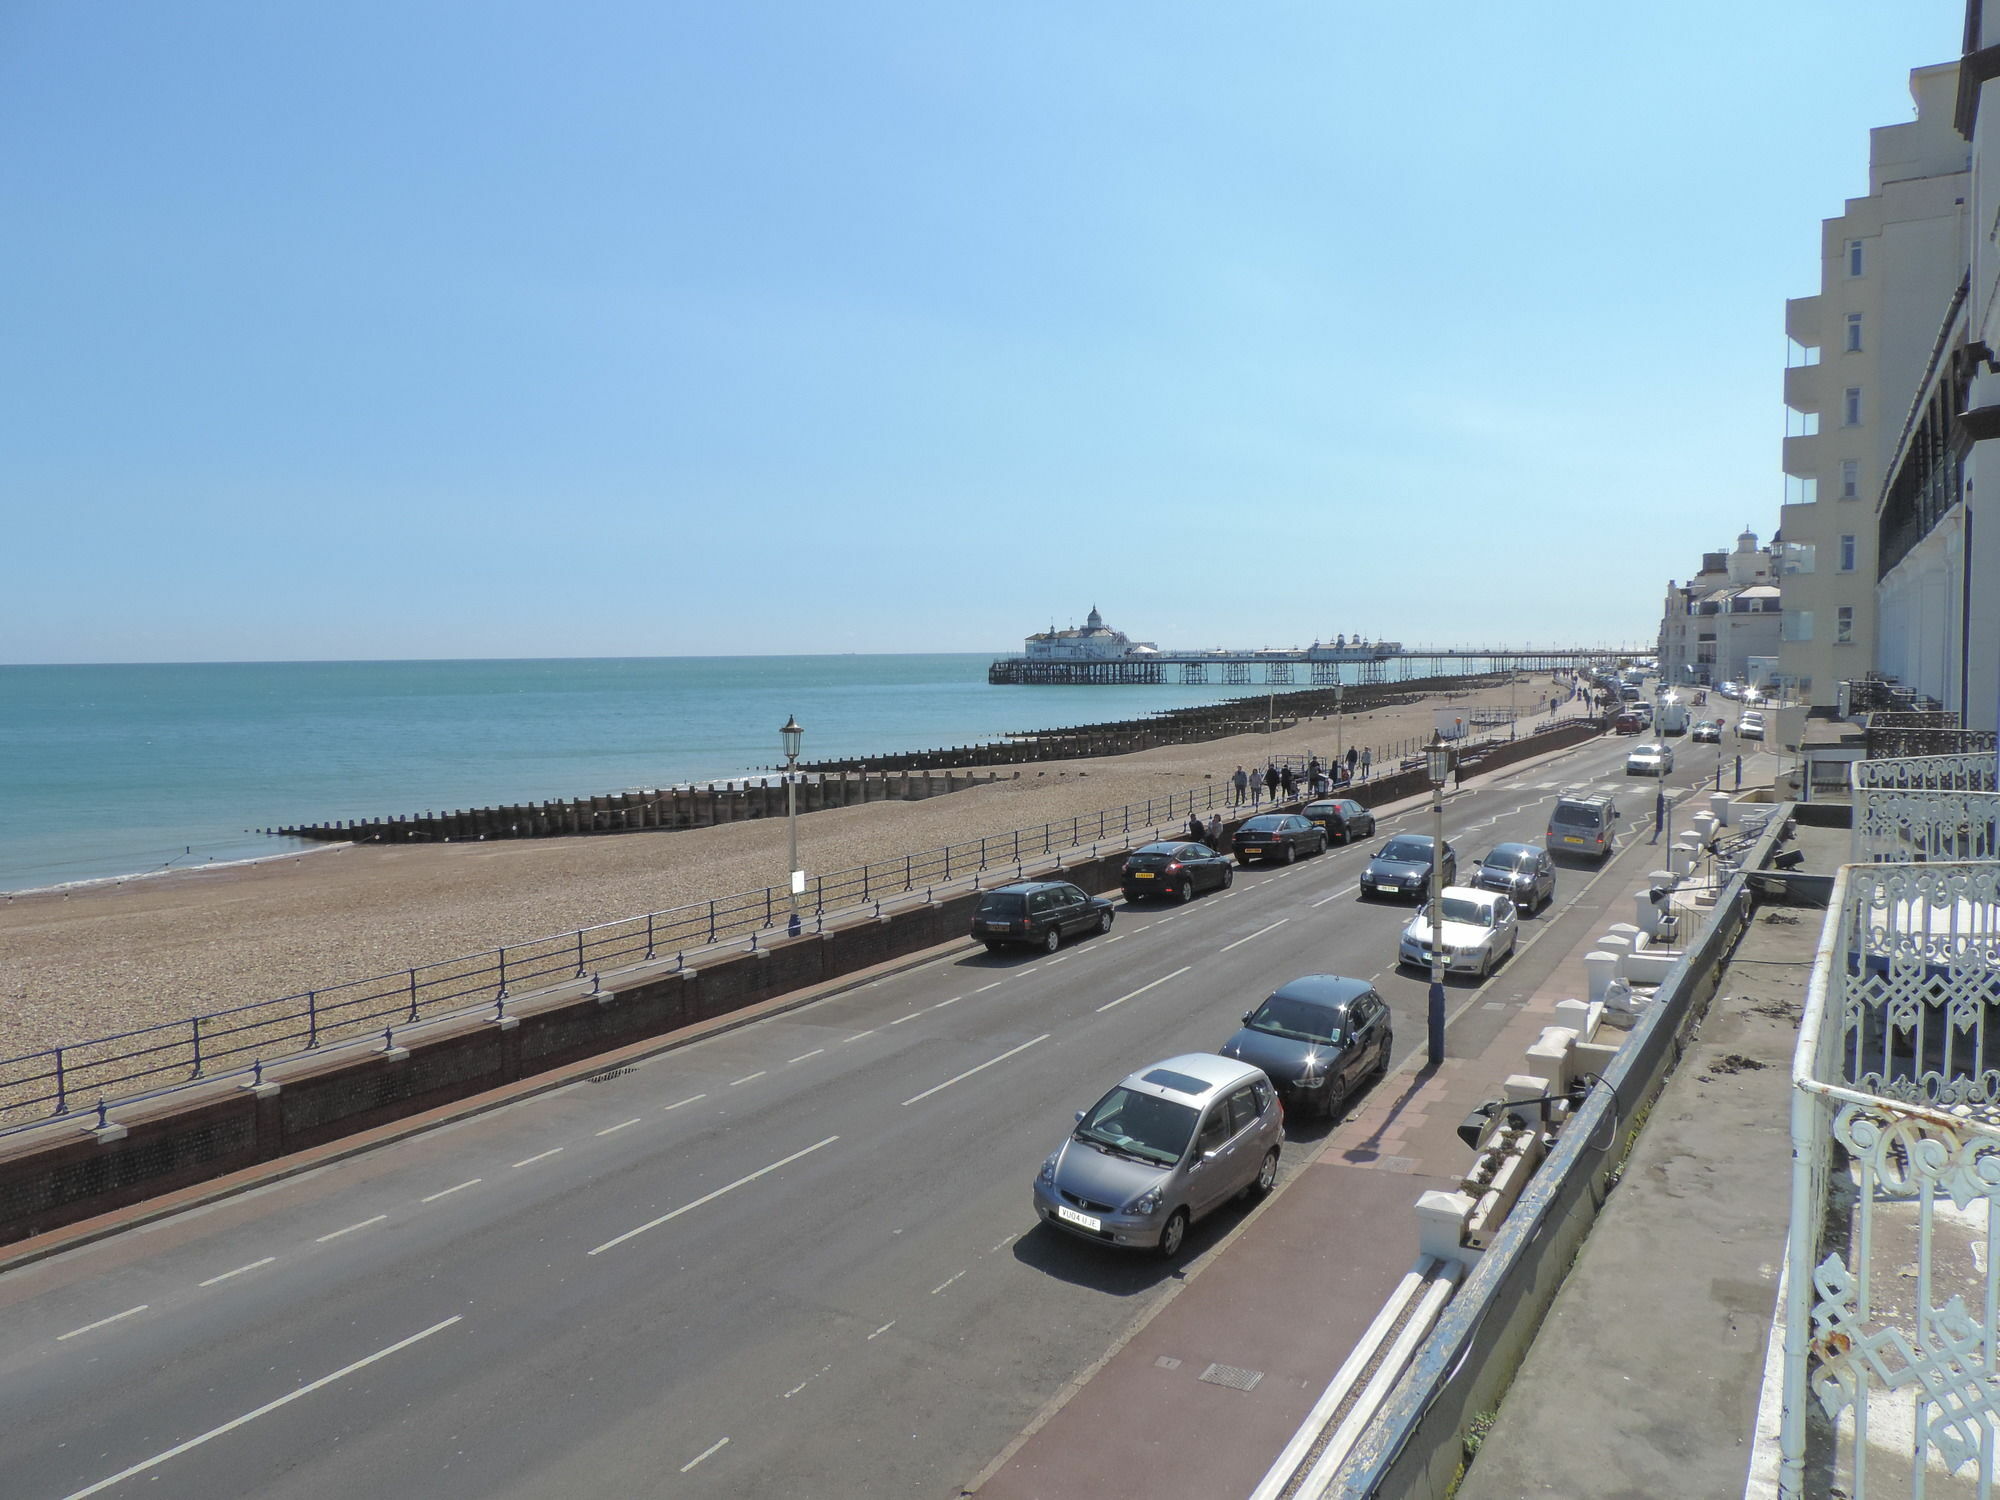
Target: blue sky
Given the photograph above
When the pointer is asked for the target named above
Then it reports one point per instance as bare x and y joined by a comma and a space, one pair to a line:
627, 329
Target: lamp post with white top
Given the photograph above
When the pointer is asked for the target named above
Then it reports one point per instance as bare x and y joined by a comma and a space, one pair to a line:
790, 736
1437, 766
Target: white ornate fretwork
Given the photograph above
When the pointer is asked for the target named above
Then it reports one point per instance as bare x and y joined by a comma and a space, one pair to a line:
1903, 823
1938, 773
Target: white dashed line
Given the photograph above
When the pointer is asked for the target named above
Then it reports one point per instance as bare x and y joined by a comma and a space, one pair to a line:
614, 1129
943, 1003
691, 1099
804, 1055
1254, 936
1002, 1245
1346, 890
946, 1282
910, 1017
529, 1161
469, 1182
882, 1330
806, 1382
748, 1078
711, 1197
102, 1321
238, 1271
350, 1229
857, 1036
939, 1088
250, 1416
1144, 987
709, 1452
1029, 970
993, 986
1063, 960
1119, 939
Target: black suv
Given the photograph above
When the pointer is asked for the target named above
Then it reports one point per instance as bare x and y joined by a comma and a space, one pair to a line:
1277, 836
1174, 869
1342, 817
1038, 914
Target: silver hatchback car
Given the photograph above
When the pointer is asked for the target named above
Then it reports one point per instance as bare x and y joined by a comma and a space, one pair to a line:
1171, 1143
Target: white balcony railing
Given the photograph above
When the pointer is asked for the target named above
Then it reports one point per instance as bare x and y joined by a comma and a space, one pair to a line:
1892, 1298
1941, 773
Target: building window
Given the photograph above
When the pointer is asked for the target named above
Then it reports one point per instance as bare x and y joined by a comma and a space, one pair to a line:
1850, 407
1843, 625
1854, 257
1801, 489
1847, 554
1798, 625
1850, 479
1853, 333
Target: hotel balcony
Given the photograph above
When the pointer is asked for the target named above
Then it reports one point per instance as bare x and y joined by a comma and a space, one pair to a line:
1802, 387
1802, 321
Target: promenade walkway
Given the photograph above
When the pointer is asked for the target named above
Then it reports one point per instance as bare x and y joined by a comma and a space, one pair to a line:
1289, 1293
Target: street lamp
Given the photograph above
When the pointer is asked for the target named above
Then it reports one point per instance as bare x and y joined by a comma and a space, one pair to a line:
790, 736
1437, 765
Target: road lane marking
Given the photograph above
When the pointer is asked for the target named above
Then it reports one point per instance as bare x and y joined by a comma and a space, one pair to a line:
102, 1321
711, 1197
1002, 1245
1063, 960
882, 1330
1119, 939
709, 1452
943, 1003
268, 1407
804, 1055
946, 1282
910, 1017
1142, 927
806, 1382
350, 1229
1254, 936
1346, 890
857, 1036
938, 1088
1029, 970
613, 1129
469, 1182
238, 1271
993, 986
691, 1099
529, 1161
749, 1077
1144, 987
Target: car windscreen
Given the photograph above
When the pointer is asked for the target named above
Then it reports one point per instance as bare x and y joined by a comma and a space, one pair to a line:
1264, 824
1462, 909
1509, 858
1414, 850
1003, 905
1577, 814
1142, 1125
1300, 1019
1165, 851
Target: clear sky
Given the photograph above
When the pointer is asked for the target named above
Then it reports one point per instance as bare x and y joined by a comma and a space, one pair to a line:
626, 328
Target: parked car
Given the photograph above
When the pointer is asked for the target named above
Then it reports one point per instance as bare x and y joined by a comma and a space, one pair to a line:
1318, 1039
1342, 818
1402, 867
1277, 836
1628, 723
1583, 825
1168, 1145
1523, 873
1750, 726
1731, 688
1480, 931
1176, 870
1038, 914
1706, 732
1650, 760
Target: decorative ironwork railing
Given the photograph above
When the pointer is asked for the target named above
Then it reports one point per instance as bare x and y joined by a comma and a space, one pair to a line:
1892, 743
1974, 772
1892, 1295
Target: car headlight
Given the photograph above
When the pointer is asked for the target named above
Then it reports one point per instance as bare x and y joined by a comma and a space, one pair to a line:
1047, 1176
1146, 1203
1314, 1068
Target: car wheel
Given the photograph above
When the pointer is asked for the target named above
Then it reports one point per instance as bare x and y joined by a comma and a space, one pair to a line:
1291, 853
1382, 1061
1184, 893
1052, 940
1174, 1233
1104, 921
1267, 1175
1228, 876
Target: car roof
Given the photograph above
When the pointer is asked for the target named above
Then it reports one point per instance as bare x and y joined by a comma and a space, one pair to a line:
1207, 1068
1330, 990
1470, 893
1513, 851
1582, 797
1023, 887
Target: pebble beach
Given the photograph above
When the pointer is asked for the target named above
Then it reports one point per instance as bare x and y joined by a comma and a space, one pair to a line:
113, 956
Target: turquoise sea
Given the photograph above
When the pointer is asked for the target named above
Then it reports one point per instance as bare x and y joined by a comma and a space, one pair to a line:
114, 770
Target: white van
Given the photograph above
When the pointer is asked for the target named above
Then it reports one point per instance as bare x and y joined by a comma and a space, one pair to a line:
1672, 717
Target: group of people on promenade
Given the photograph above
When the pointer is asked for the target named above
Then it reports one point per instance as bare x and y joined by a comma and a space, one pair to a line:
1283, 783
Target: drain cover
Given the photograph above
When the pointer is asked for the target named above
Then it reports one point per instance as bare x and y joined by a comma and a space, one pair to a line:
607, 1077
1229, 1375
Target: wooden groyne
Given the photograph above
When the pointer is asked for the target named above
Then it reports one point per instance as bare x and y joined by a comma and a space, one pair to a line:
630, 812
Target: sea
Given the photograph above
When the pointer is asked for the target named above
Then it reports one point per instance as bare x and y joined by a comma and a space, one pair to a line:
109, 771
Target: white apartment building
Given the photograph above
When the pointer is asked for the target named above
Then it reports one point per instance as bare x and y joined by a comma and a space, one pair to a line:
1859, 351
1722, 625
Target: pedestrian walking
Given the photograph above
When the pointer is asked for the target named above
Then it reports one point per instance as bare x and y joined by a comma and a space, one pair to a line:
1312, 771
1271, 780
1214, 839
1241, 781
1351, 759
1288, 783
1367, 758
1196, 828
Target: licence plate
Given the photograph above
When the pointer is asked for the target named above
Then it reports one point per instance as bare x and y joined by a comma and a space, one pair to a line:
1143, 875
1385, 887
999, 926
1082, 1221
1569, 838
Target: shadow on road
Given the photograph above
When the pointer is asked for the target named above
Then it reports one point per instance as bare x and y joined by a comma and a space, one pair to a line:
1109, 1269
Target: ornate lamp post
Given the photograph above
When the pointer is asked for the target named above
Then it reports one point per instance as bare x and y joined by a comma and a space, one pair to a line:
1437, 766
790, 736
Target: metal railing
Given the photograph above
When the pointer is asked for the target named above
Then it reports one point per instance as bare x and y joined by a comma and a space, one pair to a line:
1956, 773
1892, 1289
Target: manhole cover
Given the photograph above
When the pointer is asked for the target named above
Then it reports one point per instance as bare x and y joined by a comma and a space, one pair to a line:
1229, 1375
607, 1077
1167, 1362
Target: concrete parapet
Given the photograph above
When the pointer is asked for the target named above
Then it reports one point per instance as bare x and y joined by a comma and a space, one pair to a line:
1441, 1221
1602, 967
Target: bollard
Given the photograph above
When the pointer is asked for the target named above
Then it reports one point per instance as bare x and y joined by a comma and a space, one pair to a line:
1602, 969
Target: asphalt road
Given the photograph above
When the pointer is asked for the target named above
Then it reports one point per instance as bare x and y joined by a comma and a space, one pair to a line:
795, 1259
